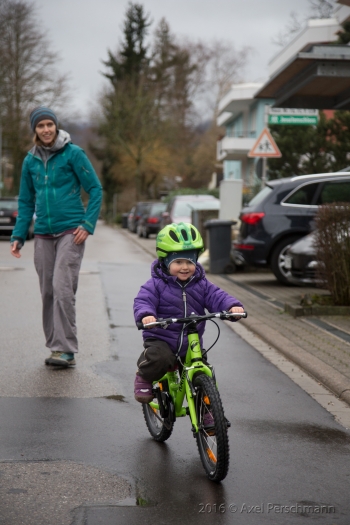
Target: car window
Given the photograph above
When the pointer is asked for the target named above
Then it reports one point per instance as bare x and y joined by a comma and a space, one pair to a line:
260, 196
303, 196
8, 205
183, 208
334, 192
158, 207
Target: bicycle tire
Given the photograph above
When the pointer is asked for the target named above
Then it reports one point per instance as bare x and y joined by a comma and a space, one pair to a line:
213, 444
158, 431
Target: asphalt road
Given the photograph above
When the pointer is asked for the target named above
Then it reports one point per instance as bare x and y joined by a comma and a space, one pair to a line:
74, 448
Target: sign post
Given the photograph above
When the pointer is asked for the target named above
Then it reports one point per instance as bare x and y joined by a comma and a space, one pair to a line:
266, 148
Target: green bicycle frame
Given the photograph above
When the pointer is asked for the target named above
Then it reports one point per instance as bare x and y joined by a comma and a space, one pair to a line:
178, 390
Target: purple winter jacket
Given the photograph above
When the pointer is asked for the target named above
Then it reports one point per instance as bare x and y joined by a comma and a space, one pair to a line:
161, 296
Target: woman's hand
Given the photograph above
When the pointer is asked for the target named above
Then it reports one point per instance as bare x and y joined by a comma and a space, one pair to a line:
15, 251
80, 235
148, 319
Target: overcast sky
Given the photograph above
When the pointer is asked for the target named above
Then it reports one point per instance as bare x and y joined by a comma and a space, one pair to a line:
82, 31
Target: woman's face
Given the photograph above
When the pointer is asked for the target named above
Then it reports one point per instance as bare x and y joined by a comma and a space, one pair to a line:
46, 131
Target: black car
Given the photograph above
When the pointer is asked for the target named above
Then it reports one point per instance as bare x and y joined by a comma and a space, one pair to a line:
150, 220
281, 214
8, 217
135, 214
301, 261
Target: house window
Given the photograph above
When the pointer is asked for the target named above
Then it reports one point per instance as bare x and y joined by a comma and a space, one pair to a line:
232, 169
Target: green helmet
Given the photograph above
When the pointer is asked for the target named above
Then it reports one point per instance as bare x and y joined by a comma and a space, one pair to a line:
178, 238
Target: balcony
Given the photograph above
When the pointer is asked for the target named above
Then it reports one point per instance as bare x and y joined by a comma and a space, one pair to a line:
236, 145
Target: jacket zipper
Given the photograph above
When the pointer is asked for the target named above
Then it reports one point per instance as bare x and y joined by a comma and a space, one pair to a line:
184, 298
47, 197
46, 190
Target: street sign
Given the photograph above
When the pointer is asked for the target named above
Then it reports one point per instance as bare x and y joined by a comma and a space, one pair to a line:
293, 116
265, 146
299, 120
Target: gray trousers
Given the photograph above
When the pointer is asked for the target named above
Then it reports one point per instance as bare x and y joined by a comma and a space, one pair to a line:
57, 262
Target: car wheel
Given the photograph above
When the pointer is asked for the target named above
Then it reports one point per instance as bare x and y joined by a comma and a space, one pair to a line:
146, 233
278, 257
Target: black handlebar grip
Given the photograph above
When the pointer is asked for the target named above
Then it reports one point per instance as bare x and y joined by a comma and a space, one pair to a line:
139, 325
245, 315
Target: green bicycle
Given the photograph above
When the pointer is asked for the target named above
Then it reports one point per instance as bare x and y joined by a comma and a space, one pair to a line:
193, 380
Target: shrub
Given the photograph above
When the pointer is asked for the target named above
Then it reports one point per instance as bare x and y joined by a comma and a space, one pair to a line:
332, 244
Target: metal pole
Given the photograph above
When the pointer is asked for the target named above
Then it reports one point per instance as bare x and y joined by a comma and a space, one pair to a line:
1, 183
114, 212
263, 172
264, 160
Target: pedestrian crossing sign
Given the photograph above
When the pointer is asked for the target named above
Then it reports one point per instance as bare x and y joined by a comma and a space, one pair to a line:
265, 146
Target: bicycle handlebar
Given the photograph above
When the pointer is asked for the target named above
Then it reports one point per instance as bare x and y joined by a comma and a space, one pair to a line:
197, 318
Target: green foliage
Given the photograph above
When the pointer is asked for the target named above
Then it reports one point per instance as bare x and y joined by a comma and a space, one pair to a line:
332, 242
304, 150
344, 33
312, 149
133, 55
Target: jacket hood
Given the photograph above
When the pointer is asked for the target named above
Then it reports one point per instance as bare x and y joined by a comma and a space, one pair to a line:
62, 139
159, 272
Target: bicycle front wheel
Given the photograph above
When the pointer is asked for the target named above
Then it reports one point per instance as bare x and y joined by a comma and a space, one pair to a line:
212, 438
159, 428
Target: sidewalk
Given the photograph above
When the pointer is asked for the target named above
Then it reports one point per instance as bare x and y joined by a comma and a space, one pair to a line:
318, 345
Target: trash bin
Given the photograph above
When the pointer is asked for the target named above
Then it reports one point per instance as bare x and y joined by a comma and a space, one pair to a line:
220, 240
125, 220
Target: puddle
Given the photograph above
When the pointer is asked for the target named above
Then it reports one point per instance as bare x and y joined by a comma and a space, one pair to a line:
315, 433
116, 397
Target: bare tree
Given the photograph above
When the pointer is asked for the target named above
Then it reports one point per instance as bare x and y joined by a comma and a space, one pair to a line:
28, 76
317, 9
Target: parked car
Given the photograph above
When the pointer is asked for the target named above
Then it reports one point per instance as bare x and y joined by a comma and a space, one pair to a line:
280, 214
8, 217
150, 220
179, 208
135, 214
301, 261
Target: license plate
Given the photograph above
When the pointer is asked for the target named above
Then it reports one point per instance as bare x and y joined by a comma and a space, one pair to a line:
5, 219
288, 262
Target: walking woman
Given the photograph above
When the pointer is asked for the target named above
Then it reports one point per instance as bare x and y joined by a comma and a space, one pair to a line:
53, 173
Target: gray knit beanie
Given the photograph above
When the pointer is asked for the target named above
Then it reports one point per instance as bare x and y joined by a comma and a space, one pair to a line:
42, 113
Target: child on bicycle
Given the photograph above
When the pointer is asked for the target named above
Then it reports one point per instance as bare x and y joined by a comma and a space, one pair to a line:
178, 287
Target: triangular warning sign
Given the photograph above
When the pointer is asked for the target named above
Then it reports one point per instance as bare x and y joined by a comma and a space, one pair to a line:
265, 146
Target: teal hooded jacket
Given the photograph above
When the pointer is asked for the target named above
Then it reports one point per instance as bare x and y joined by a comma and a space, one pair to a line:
52, 191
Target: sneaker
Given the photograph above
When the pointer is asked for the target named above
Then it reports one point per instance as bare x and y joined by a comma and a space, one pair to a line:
143, 390
208, 421
60, 359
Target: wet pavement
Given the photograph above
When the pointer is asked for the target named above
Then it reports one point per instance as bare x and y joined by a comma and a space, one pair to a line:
75, 449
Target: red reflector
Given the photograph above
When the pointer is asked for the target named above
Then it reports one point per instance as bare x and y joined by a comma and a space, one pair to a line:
252, 218
152, 220
243, 246
15, 214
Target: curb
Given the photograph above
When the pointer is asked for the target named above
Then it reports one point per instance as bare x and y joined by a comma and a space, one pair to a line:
298, 311
325, 374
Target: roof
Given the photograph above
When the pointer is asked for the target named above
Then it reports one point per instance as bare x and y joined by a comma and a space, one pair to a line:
316, 78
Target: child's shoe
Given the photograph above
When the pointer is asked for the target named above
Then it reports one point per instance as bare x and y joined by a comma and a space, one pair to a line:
142, 390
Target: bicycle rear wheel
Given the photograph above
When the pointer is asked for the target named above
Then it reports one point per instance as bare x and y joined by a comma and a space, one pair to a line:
212, 438
159, 428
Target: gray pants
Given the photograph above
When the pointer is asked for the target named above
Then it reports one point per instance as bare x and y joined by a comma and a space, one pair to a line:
57, 262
